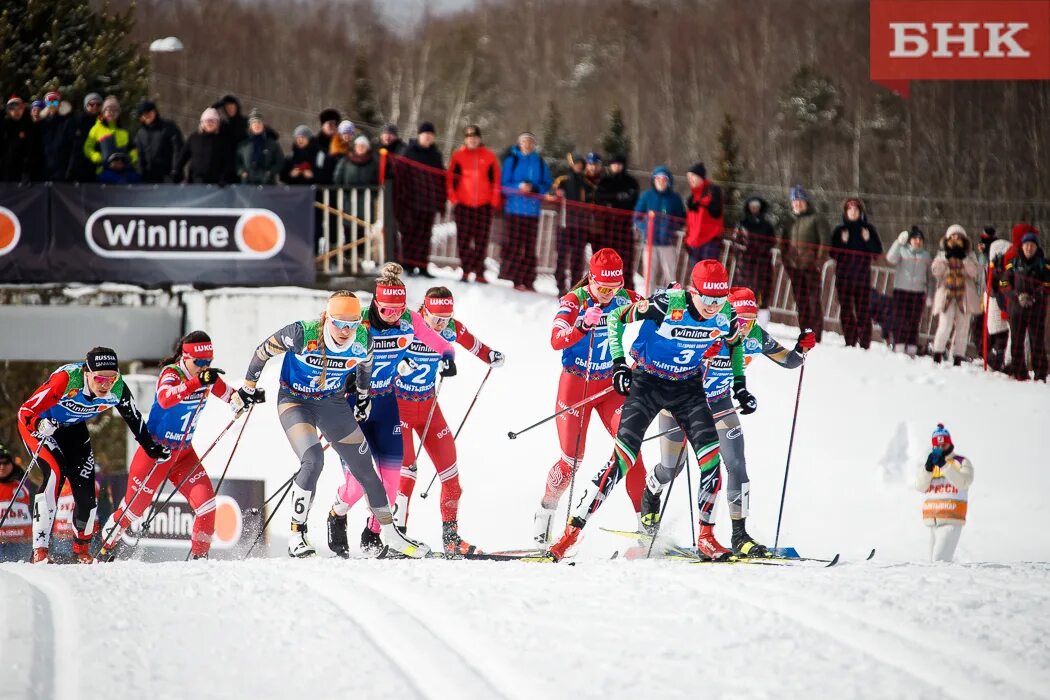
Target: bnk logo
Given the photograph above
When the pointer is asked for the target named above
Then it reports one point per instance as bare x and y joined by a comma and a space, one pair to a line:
10, 230
186, 233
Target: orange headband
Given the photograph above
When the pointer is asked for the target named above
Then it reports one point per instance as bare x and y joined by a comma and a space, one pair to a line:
344, 306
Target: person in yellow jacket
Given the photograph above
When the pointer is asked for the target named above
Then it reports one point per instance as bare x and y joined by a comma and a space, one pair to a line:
106, 137
946, 479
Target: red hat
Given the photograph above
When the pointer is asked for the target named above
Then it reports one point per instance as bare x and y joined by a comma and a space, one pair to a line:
438, 306
941, 437
607, 268
199, 350
744, 302
391, 294
709, 277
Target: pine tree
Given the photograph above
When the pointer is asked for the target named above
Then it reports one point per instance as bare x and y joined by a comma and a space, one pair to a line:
730, 172
556, 145
615, 140
364, 105
68, 46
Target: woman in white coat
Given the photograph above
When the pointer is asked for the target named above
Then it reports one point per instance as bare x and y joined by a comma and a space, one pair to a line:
946, 479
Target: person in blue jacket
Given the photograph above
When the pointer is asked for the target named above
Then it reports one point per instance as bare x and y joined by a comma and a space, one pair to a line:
525, 179
670, 216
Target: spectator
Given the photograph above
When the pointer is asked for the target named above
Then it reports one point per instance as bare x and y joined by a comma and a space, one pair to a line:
955, 300
473, 188
117, 170
803, 255
17, 533
421, 197
207, 154
753, 242
80, 168
704, 220
259, 157
390, 140
329, 134
667, 205
592, 174
524, 175
998, 326
1016, 234
158, 143
1028, 284
946, 479
106, 137
360, 170
20, 153
340, 146
983, 290
911, 282
35, 108
618, 190
574, 223
234, 126
55, 137
306, 159
854, 243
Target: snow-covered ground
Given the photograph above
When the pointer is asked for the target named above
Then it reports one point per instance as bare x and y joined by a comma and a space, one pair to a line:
893, 627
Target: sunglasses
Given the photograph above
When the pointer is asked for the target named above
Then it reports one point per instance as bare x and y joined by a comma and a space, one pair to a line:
345, 325
104, 380
708, 300
201, 363
391, 310
607, 290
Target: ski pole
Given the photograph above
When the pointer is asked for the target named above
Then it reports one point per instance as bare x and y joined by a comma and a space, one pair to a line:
667, 499
21, 483
276, 508
512, 434
461, 423
224, 469
579, 433
791, 443
689, 482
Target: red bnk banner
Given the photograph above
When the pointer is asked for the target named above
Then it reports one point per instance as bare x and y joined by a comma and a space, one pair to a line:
959, 40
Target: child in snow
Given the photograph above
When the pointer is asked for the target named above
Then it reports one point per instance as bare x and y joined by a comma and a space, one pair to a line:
946, 479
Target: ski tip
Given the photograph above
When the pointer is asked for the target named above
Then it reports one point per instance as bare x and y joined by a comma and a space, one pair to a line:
833, 562
871, 555
615, 554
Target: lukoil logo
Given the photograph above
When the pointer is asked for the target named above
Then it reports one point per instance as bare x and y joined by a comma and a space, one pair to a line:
10, 230
186, 233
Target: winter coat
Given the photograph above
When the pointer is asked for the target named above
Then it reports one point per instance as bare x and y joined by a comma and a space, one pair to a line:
754, 235
947, 490
57, 138
995, 314
309, 158
127, 176
105, 138
853, 255
704, 219
668, 206
577, 190
1028, 280
80, 169
421, 189
361, 173
21, 155
473, 177
518, 168
208, 158
971, 303
804, 238
158, 145
260, 160
912, 273
619, 191
234, 129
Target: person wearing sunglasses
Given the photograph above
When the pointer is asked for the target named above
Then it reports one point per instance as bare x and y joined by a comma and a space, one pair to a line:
392, 328
186, 379
53, 425
721, 386
416, 398
678, 327
581, 334
326, 360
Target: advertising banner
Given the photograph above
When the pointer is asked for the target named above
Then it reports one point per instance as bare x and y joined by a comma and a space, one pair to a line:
24, 233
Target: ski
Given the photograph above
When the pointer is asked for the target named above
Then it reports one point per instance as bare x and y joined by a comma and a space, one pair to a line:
673, 551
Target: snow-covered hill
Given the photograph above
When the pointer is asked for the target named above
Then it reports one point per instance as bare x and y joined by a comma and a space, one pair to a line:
893, 627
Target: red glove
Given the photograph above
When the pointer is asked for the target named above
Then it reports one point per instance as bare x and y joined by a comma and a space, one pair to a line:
806, 340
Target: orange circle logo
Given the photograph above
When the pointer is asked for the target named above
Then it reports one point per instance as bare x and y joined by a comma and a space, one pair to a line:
260, 233
402, 342
228, 521
10, 230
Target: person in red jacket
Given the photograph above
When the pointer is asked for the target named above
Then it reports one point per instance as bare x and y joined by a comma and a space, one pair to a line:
415, 388
704, 217
16, 535
580, 333
473, 184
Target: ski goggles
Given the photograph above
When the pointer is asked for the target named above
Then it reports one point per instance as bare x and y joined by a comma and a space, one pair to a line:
707, 299
104, 380
606, 291
201, 362
345, 325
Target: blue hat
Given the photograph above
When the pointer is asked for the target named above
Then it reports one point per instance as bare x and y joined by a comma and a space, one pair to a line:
941, 437
1030, 237
797, 192
593, 158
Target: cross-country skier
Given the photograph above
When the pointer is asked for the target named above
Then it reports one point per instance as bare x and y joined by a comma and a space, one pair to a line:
392, 328
416, 400
54, 421
678, 327
580, 331
326, 360
186, 379
719, 385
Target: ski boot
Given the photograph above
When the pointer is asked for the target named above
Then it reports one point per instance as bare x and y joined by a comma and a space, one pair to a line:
453, 544
337, 541
202, 555
708, 547
40, 556
650, 514
394, 541
744, 545
80, 551
298, 546
541, 525
371, 542
401, 513
108, 552
558, 551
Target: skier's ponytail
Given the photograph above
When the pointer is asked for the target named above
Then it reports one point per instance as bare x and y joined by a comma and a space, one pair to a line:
584, 281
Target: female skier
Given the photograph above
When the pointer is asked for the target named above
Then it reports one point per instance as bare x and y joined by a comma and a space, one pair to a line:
391, 328
183, 386
581, 333
54, 421
416, 401
327, 361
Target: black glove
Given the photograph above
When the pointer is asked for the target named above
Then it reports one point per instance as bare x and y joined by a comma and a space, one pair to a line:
448, 367
621, 378
210, 375
362, 407
250, 397
936, 459
157, 451
748, 403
